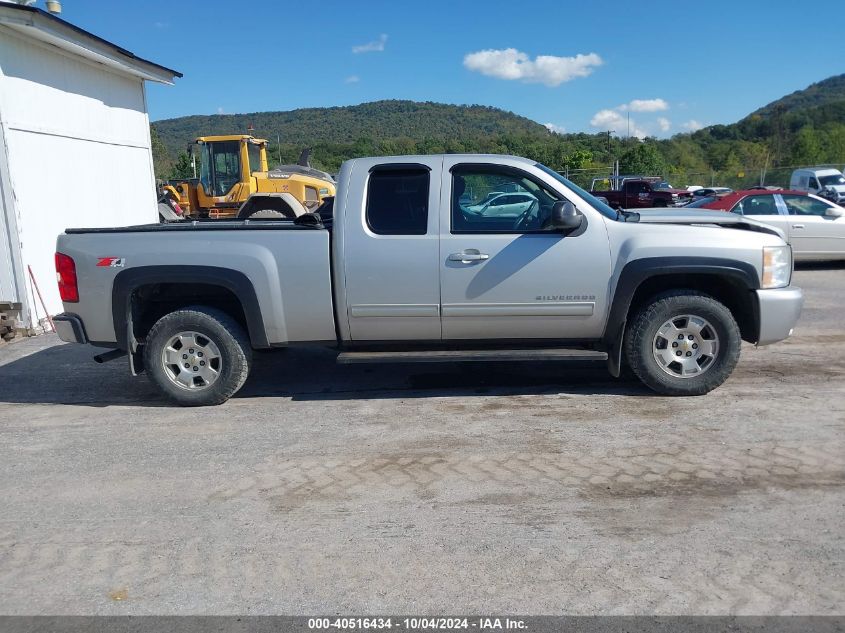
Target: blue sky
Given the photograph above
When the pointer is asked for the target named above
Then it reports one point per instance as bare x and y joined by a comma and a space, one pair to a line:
582, 66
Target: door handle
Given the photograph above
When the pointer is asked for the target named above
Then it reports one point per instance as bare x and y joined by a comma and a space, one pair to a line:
797, 226
468, 256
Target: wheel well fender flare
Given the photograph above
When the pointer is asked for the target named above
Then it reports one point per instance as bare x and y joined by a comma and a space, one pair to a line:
638, 271
283, 202
128, 281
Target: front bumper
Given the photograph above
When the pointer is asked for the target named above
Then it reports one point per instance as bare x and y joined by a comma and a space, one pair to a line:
69, 328
779, 312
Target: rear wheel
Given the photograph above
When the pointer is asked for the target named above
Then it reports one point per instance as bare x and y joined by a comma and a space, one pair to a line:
7, 327
198, 356
683, 344
266, 214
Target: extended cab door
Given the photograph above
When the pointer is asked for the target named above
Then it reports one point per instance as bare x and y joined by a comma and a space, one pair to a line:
387, 251
510, 277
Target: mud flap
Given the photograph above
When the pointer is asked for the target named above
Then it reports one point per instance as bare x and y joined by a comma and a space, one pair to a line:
614, 352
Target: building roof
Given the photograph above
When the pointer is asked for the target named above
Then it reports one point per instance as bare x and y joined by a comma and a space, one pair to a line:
46, 27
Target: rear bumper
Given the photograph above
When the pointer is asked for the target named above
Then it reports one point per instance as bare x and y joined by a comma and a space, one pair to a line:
779, 312
69, 328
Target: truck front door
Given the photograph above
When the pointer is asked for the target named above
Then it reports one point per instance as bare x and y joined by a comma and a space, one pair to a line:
513, 277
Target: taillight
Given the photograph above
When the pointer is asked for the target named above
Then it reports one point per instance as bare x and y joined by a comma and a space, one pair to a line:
66, 276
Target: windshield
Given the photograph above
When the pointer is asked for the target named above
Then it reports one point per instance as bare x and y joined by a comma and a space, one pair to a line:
700, 202
835, 179
594, 202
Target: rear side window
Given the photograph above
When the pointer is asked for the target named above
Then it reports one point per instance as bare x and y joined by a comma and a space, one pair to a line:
804, 205
397, 201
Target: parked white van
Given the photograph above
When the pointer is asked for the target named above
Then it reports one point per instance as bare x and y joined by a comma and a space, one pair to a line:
826, 182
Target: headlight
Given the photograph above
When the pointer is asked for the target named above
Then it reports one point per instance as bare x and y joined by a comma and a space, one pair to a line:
777, 266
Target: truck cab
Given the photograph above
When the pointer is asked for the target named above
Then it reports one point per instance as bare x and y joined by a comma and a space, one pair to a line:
642, 193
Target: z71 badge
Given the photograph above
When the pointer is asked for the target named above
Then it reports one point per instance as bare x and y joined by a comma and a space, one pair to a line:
111, 262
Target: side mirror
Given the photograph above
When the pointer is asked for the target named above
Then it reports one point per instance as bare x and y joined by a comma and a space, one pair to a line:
835, 212
565, 216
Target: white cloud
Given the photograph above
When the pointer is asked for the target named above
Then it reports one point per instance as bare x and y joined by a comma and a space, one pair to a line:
692, 125
557, 129
664, 123
607, 119
376, 46
613, 120
352, 79
220, 110
161, 25
645, 105
512, 64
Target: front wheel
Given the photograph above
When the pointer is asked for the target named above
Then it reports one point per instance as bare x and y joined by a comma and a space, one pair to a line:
683, 344
197, 356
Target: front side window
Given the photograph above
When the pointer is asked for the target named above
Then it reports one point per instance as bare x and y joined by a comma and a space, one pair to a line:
397, 201
756, 205
602, 207
813, 183
479, 207
804, 205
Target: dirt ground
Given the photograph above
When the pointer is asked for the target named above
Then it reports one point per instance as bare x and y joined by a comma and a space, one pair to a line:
467, 488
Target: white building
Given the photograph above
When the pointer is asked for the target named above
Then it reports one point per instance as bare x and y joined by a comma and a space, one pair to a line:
74, 146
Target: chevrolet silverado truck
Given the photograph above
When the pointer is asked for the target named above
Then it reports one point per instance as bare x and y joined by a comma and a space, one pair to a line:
643, 193
399, 268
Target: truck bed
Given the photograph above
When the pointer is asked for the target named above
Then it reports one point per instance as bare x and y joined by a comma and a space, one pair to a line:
280, 267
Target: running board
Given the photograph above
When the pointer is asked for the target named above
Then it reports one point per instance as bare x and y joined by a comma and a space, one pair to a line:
496, 355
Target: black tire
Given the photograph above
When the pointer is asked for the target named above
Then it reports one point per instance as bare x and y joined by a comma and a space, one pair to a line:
7, 327
641, 341
660, 204
223, 331
266, 214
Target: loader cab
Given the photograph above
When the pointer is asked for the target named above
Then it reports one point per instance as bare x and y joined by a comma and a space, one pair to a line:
225, 167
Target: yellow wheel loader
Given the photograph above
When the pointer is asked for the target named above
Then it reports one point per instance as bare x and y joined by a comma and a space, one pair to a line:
234, 181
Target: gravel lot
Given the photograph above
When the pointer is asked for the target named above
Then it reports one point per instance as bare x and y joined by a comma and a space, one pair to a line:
522, 488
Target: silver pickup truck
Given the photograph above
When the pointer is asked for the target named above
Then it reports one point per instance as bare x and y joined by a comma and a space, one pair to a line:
433, 258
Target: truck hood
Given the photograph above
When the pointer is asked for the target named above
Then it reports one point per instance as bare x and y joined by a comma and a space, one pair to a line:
702, 217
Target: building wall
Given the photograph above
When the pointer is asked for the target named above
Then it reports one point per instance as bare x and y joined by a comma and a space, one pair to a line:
78, 148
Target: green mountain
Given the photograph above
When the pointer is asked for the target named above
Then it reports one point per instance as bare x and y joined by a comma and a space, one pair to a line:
378, 120
830, 91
